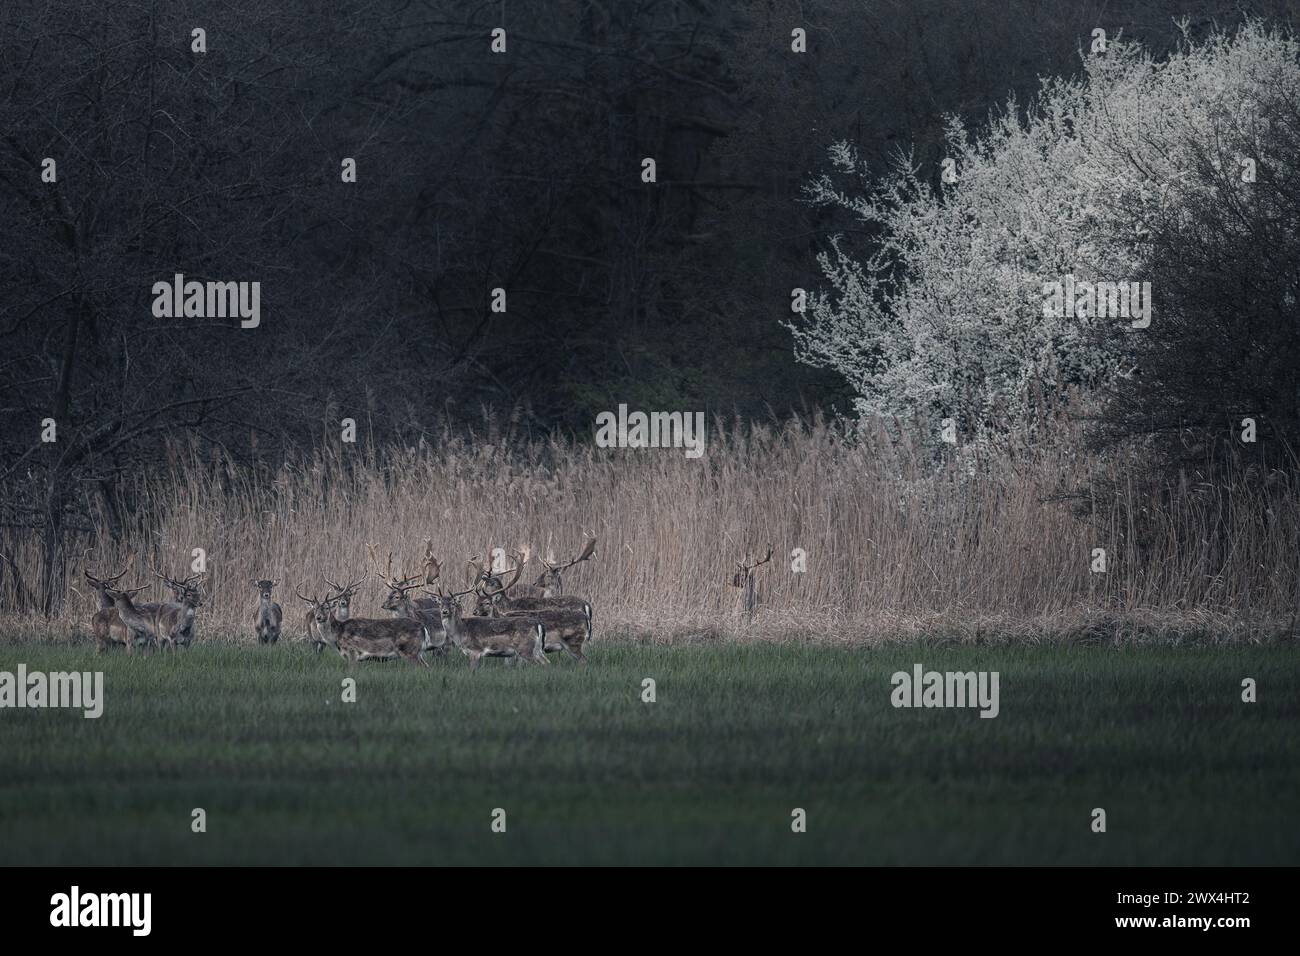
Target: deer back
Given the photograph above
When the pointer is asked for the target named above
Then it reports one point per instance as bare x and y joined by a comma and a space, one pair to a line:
562, 602
393, 632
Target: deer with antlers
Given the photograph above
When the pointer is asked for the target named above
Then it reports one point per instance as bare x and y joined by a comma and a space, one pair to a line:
513, 636
550, 583
164, 625
358, 639
567, 618
401, 604
744, 578
106, 624
188, 599
269, 614
398, 601
340, 605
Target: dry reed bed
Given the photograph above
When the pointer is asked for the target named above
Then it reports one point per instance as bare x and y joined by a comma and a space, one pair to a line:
971, 548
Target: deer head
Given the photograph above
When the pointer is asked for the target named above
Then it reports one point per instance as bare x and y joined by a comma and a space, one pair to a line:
319, 607
491, 587
745, 571
550, 578
102, 585
399, 586
343, 599
122, 596
185, 591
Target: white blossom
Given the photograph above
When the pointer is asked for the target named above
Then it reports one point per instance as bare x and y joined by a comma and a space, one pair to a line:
943, 316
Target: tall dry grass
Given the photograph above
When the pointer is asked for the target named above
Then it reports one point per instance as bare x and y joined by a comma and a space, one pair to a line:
896, 544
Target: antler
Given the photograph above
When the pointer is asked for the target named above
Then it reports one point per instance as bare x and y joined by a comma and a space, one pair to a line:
350, 589
587, 551
506, 585
455, 594
174, 583
169, 582
481, 573
386, 575
432, 569
751, 567
127, 591
479, 570
106, 581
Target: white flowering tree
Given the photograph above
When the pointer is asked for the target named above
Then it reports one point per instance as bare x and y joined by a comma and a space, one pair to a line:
944, 316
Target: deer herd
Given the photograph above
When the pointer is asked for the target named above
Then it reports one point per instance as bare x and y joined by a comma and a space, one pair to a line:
509, 620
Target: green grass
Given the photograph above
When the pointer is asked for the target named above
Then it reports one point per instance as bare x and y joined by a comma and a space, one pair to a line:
588, 773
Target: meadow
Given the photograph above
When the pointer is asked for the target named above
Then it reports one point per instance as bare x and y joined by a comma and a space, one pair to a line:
739, 735
1120, 688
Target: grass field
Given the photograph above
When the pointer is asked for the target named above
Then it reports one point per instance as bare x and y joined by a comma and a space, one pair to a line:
739, 736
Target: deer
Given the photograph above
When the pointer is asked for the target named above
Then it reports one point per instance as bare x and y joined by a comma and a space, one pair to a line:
398, 601
315, 636
340, 605
188, 600
269, 614
567, 619
565, 630
495, 588
157, 624
549, 584
359, 639
523, 638
106, 625
744, 578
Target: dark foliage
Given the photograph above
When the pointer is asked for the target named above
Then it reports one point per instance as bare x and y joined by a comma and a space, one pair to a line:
1223, 348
